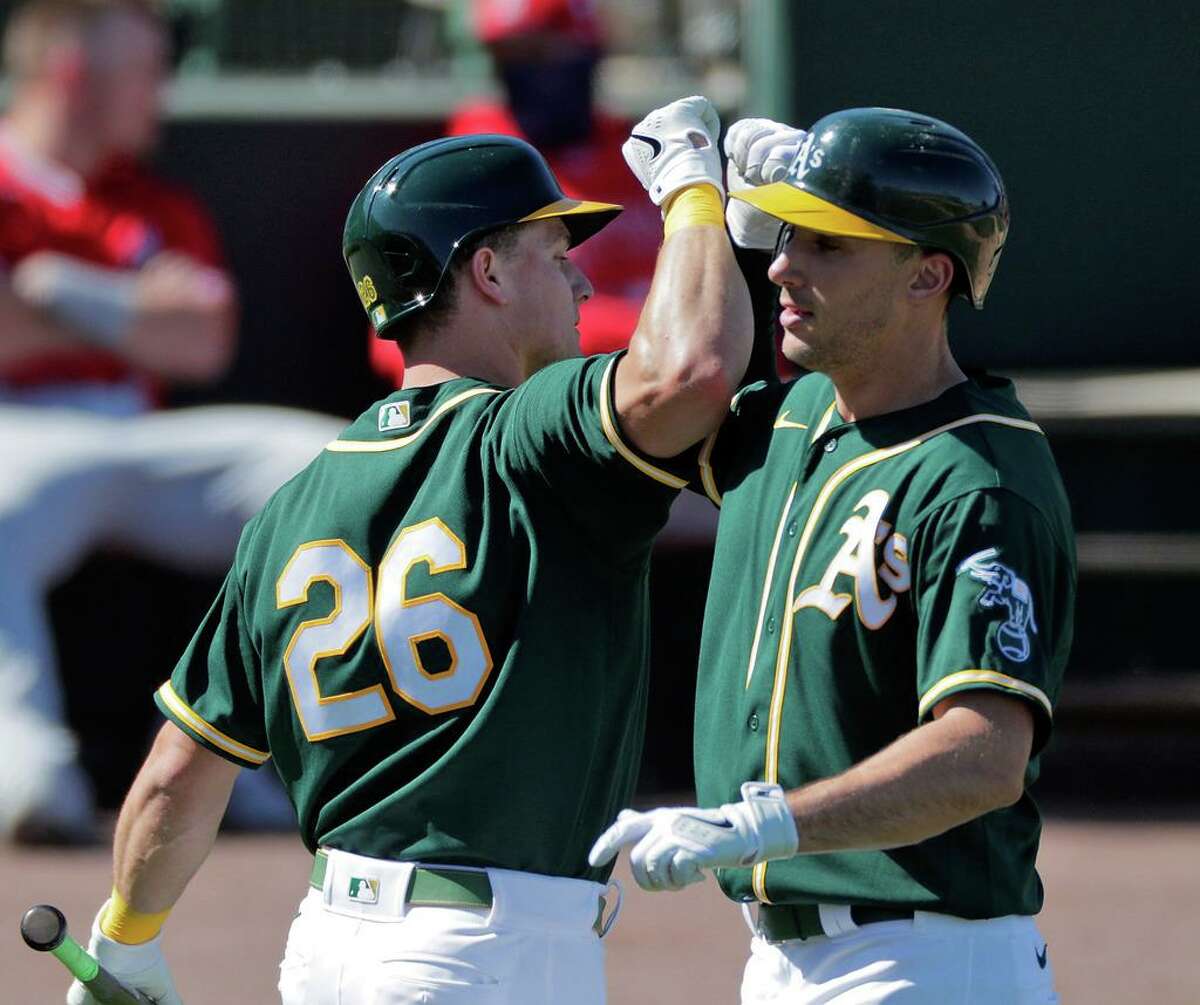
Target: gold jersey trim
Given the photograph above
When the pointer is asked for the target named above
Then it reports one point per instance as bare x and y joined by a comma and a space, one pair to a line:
213, 735
608, 424
993, 677
707, 479
779, 686
378, 446
824, 423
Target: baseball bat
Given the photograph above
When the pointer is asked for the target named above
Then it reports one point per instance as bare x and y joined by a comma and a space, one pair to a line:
44, 928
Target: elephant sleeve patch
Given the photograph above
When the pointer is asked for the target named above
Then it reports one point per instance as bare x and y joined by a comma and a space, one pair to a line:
1009, 596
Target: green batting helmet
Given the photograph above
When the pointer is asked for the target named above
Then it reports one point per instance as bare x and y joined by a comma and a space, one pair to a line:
406, 224
888, 175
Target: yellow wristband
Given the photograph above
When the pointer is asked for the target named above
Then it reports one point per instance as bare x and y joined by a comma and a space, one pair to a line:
122, 923
695, 206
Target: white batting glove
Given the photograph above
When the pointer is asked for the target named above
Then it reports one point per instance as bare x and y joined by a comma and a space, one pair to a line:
760, 151
142, 967
672, 846
676, 146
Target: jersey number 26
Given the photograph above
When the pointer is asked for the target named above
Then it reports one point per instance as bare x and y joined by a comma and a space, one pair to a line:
401, 623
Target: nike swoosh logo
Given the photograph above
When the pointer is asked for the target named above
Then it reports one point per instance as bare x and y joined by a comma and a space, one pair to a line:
783, 422
651, 141
1041, 957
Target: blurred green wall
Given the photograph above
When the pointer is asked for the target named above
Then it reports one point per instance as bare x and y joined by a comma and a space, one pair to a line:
1092, 112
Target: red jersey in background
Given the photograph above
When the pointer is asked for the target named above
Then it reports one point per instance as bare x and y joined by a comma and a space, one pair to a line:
118, 219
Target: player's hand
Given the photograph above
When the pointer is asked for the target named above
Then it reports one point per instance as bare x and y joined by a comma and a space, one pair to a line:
184, 321
676, 146
759, 152
670, 847
141, 967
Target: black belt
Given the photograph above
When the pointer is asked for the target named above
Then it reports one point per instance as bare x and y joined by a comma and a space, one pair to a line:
782, 922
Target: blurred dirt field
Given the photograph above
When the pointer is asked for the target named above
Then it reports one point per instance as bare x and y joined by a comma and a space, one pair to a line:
1122, 917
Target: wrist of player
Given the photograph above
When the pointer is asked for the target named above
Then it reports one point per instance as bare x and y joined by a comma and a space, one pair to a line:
699, 205
749, 227
119, 921
766, 822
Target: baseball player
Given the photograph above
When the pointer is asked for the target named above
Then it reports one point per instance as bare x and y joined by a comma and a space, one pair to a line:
891, 601
112, 288
437, 631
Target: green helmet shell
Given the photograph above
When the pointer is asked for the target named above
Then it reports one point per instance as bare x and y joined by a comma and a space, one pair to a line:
887, 174
404, 227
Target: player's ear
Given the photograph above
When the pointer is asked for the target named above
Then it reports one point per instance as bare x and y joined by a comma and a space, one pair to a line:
488, 276
933, 276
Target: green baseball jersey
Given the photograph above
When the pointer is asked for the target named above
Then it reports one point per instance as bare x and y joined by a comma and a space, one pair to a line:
863, 572
438, 630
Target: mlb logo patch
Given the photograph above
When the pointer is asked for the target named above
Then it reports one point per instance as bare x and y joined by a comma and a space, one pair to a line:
395, 415
365, 891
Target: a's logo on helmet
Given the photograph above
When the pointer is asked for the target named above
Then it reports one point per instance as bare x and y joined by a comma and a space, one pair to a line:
366, 291
809, 156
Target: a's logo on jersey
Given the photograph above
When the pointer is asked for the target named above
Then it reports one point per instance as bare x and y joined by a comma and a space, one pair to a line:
365, 891
871, 554
366, 291
1005, 589
395, 415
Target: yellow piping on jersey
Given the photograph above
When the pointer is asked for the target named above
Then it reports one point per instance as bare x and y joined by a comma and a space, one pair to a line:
824, 423
614, 437
935, 693
766, 590
209, 732
779, 687
378, 446
706, 471
707, 477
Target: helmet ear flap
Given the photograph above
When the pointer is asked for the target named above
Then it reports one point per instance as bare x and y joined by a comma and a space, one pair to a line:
413, 274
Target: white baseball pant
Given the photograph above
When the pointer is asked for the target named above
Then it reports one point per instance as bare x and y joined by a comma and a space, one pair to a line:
176, 486
935, 959
357, 941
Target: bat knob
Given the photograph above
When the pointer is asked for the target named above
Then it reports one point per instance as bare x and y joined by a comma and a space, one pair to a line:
43, 928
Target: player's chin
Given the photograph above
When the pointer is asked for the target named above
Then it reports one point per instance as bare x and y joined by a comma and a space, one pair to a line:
570, 346
798, 350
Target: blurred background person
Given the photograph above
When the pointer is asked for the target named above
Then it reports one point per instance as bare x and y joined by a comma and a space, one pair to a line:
112, 290
544, 49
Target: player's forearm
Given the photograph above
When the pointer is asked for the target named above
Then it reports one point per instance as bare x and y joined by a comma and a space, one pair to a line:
691, 346
173, 317
169, 821
936, 777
